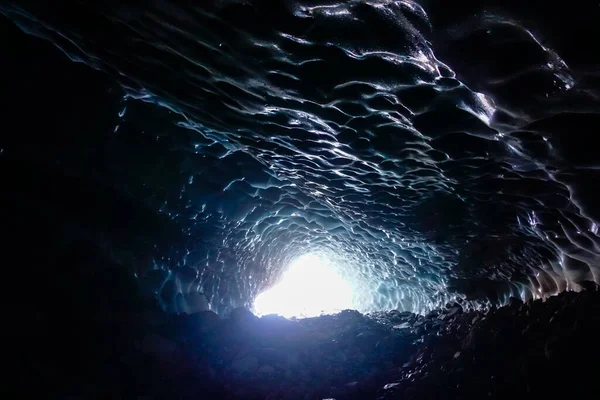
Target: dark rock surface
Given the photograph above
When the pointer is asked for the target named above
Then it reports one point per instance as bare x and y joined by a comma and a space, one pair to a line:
137, 351
537, 349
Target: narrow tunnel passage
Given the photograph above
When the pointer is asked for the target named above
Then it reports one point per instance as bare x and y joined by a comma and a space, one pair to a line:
423, 178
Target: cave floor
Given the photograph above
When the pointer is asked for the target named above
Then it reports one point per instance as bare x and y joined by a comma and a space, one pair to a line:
517, 350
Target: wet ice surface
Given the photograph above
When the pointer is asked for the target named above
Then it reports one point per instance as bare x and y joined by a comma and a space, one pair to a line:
429, 154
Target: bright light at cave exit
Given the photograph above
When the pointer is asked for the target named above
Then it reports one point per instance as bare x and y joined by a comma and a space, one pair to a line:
309, 287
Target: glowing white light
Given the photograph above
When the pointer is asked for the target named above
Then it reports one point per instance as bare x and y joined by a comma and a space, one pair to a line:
310, 287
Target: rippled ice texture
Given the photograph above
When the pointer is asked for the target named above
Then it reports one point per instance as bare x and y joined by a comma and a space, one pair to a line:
431, 152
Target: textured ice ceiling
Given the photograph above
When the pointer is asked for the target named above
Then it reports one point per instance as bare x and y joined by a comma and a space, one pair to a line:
428, 152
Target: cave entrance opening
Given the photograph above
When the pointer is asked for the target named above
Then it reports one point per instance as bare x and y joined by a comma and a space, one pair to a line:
309, 287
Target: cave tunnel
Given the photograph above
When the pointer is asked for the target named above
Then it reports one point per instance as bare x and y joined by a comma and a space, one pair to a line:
310, 199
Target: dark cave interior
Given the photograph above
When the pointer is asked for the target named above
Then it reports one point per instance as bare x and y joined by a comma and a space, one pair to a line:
137, 234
